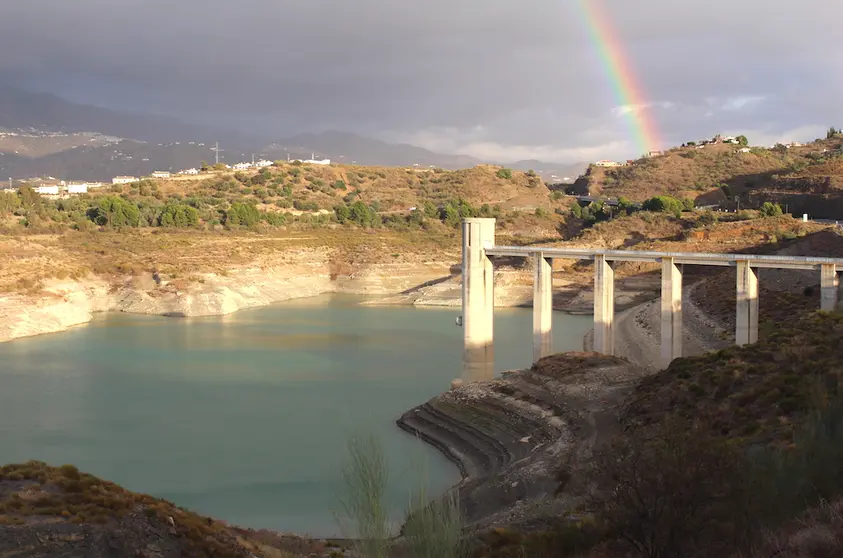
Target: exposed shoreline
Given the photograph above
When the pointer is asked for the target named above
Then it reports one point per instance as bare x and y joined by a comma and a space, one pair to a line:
63, 304
510, 437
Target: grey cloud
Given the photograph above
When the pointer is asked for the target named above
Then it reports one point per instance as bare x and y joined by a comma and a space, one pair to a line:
522, 73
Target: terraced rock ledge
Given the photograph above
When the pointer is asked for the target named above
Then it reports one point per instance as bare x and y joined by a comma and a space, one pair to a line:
514, 436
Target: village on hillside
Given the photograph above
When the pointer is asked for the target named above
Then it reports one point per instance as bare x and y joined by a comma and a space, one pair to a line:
716, 140
51, 186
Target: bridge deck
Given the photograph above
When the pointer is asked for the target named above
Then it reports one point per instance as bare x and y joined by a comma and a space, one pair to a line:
691, 258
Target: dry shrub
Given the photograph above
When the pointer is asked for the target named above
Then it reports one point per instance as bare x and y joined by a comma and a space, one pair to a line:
671, 491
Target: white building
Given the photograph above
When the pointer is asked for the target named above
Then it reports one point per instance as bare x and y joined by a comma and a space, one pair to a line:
242, 166
161, 174
314, 161
77, 188
190, 171
605, 163
263, 163
48, 190
123, 179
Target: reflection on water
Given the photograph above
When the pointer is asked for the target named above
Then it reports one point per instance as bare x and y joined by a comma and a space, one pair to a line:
244, 416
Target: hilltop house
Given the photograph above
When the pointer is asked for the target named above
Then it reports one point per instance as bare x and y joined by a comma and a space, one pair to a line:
263, 163
654, 153
77, 187
124, 179
48, 190
161, 174
605, 163
242, 166
314, 161
190, 171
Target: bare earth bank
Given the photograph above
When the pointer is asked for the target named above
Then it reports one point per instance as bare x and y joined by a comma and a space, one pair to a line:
63, 304
510, 436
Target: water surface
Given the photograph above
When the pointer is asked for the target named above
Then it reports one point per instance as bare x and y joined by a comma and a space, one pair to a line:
244, 417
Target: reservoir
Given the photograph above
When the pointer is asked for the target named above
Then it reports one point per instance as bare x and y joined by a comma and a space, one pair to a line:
244, 417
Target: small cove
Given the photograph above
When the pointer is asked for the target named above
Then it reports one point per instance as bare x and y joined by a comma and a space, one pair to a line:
243, 417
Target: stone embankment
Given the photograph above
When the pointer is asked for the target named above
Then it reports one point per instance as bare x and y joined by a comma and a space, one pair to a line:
510, 437
64, 304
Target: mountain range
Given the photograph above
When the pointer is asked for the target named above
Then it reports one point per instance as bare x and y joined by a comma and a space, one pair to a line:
47, 135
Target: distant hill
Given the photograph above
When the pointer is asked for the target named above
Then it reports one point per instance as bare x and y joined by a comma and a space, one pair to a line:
21, 109
102, 163
344, 147
75, 156
34, 146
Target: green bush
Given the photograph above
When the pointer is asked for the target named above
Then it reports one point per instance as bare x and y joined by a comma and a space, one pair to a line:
505, 174
771, 210
114, 211
274, 219
244, 214
663, 204
304, 205
178, 215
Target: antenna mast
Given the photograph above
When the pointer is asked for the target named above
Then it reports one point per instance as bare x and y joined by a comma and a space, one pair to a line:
216, 150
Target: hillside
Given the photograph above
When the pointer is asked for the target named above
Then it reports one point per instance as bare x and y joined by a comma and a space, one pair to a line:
303, 187
92, 156
344, 147
700, 174
58, 511
21, 109
207, 224
102, 162
39, 145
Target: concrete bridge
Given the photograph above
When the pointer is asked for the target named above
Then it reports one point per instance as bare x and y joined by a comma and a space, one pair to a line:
478, 310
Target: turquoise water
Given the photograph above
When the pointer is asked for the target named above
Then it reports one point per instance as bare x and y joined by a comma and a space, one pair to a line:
244, 417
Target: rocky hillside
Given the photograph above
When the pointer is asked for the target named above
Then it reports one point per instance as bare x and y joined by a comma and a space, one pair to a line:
701, 172
50, 512
508, 436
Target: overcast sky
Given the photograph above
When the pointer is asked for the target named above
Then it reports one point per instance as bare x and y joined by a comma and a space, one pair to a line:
501, 79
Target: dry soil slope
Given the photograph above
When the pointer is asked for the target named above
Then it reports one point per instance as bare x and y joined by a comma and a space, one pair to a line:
47, 511
394, 189
698, 173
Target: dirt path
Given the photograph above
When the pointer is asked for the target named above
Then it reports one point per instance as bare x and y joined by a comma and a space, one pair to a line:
638, 332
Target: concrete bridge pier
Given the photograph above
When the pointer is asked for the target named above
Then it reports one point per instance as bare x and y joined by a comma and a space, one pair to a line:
671, 301
829, 285
746, 316
542, 307
604, 305
478, 299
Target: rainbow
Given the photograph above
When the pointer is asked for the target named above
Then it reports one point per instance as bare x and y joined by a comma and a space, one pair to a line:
627, 92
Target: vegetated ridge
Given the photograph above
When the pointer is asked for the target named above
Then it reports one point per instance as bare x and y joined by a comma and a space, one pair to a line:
805, 177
